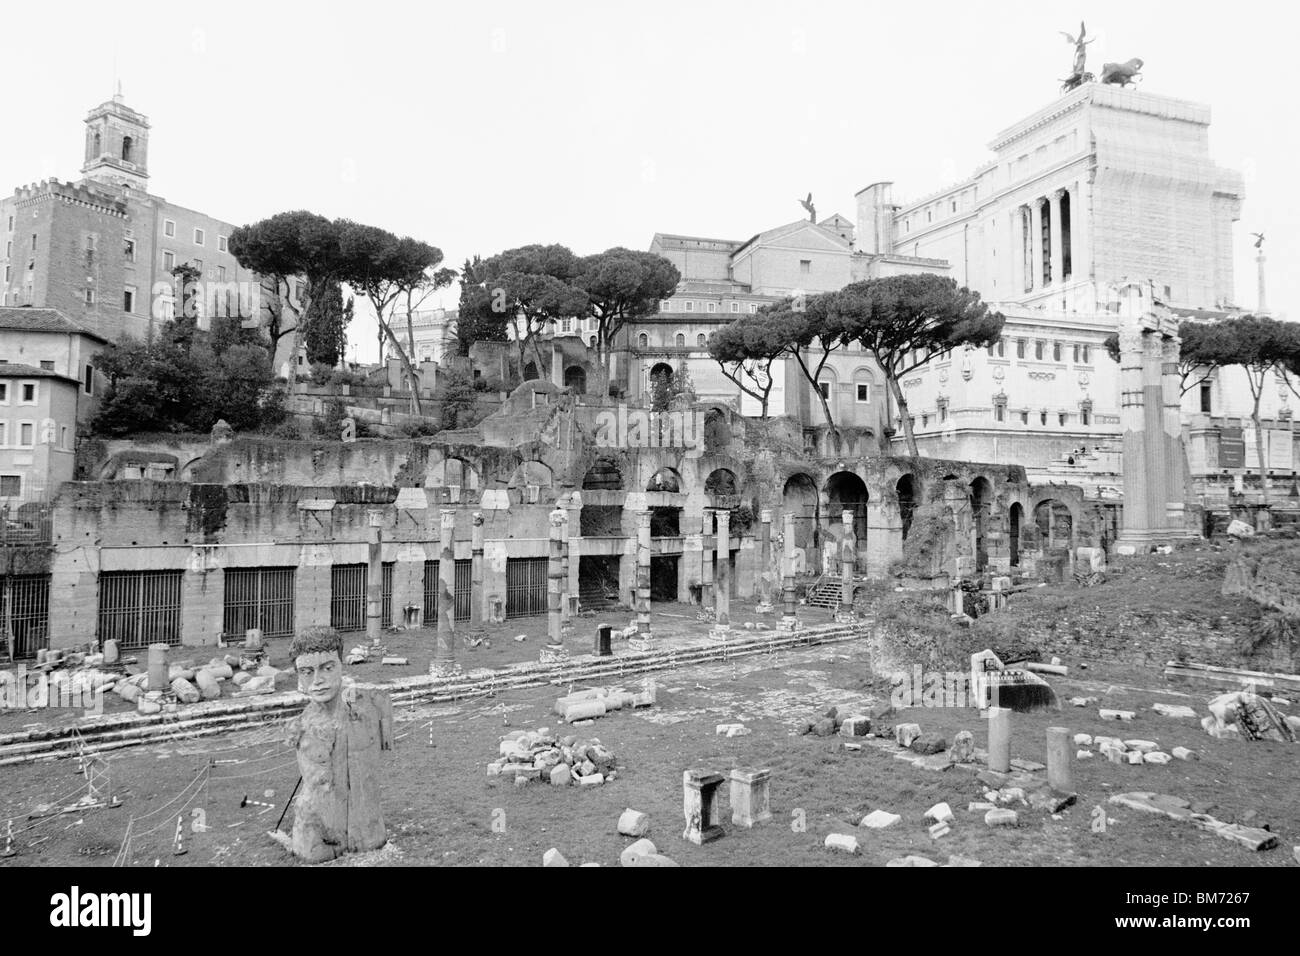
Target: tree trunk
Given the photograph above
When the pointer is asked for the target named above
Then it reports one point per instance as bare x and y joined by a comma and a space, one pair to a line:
826, 408
1259, 449
902, 411
412, 378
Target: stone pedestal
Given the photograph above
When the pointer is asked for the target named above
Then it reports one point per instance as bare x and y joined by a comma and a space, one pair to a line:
1059, 771
750, 800
158, 668
1000, 739
604, 635
700, 805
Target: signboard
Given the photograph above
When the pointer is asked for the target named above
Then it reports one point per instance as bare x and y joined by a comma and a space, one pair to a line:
1280, 449
1232, 448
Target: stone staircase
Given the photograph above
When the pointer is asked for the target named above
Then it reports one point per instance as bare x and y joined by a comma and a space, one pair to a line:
825, 593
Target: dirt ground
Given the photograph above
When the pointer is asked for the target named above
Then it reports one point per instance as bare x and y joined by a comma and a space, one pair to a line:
442, 809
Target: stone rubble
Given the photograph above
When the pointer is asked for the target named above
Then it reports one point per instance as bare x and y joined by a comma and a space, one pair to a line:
541, 755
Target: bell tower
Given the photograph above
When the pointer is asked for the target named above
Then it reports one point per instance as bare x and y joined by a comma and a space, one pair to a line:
117, 145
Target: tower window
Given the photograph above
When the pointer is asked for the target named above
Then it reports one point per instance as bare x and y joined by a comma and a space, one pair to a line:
1207, 393
128, 249
126, 149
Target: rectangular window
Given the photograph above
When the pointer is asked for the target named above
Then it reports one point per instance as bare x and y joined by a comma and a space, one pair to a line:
805, 267
128, 250
88, 381
169, 261
4, 394
666, 305
7, 273
1020, 348
221, 244
198, 264
33, 242
1076, 354
221, 273
1038, 350
1056, 351
713, 307
11, 486
29, 393
9, 249
128, 300
735, 307
864, 392
90, 297
63, 438
47, 365
169, 229
1085, 417
348, 597
4, 434
824, 388
198, 237
1207, 393
1062, 418
1024, 418
999, 412
1087, 355
26, 435
690, 306
753, 307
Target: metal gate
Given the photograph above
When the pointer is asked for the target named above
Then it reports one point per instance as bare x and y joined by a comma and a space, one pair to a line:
386, 615
258, 597
139, 608
525, 587
24, 614
463, 591
348, 597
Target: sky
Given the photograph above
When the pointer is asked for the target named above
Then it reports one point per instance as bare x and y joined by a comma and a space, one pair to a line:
479, 127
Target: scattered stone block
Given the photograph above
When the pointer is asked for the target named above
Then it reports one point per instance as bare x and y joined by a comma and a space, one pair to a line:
962, 861
1144, 746
1156, 757
584, 710
1083, 740
1134, 757
651, 859
186, 692
963, 747
554, 857
1240, 529
634, 823
824, 727
738, 730
855, 727
911, 861
853, 747
1082, 701
591, 780
929, 743
879, 820
144, 706
1182, 753
938, 830
1028, 766
939, 813
904, 734
642, 847
980, 806
1001, 817
1053, 801
1173, 710
1082, 754
1115, 714
842, 841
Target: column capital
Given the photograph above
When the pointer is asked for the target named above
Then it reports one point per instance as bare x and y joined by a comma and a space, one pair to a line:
448, 517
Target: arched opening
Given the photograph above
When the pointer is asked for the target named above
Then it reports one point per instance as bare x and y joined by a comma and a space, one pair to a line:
531, 480
1055, 525
530, 371
799, 498
665, 519
845, 491
661, 371
126, 149
680, 341
1016, 517
643, 341
99, 146
602, 508
700, 340
981, 504
591, 342
717, 431
906, 491
575, 378
721, 483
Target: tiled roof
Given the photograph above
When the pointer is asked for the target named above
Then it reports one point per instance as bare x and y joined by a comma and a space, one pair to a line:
42, 320
18, 370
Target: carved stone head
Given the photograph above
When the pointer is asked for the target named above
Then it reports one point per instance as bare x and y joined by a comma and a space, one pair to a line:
317, 656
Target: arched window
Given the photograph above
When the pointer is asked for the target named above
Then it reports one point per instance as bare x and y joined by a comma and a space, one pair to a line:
680, 341
592, 342
126, 149
643, 341
99, 145
1038, 350
700, 340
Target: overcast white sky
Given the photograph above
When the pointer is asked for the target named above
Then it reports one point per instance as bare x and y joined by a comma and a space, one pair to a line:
478, 127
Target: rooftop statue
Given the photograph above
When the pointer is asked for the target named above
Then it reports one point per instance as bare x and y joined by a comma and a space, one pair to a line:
812, 210
1259, 240
1078, 76
1122, 73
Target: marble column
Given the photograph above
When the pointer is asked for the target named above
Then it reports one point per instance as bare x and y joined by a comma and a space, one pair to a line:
1171, 435
444, 659
374, 579
707, 598
764, 580
788, 619
555, 579
476, 576
1036, 243
1054, 227
574, 528
848, 558
722, 574
643, 576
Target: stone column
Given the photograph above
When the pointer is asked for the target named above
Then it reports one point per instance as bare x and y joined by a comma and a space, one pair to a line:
722, 574
1036, 244
555, 579
374, 578
848, 558
788, 620
1000, 739
1059, 775
476, 576
557, 364
444, 658
1017, 276
564, 564
1132, 422
1153, 427
707, 598
574, 528
1172, 438
643, 578
765, 576
1054, 226
824, 553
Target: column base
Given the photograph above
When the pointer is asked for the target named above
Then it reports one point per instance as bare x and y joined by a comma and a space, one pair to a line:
846, 617
720, 632
789, 624
444, 669
764, 608
640, 643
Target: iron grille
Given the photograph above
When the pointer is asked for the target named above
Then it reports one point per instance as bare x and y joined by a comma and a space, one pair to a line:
348, 597
258, 597
139, 608
525, 587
